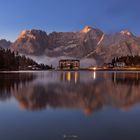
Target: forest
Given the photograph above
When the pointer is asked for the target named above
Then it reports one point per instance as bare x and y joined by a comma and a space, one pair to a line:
10, 60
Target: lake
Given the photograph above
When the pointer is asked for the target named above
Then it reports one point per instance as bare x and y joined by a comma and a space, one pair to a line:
86, 105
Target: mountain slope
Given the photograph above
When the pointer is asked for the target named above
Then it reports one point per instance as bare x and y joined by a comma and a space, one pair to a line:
116, 45
74, 44
4, 43
31, 42
88, 43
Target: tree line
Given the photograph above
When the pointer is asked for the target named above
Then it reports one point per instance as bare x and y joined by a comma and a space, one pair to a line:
10, 60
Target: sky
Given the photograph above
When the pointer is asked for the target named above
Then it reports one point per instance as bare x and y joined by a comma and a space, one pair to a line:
68, 15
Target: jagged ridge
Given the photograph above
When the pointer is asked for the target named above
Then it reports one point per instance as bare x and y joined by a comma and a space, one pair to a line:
87, 43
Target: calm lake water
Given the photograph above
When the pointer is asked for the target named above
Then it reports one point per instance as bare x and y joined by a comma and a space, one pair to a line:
70, 106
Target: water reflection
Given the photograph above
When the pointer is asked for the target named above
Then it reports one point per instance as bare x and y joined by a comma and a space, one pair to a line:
13, 81
70, 77
94, 75
126, 78
87, 91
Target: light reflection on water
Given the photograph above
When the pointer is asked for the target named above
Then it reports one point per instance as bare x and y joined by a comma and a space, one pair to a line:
60, 102
81, 90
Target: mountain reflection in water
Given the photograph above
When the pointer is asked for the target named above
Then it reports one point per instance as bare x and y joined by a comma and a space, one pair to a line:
87, 91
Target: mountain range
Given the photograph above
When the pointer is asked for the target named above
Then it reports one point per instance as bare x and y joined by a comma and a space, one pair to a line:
88, 44
5, 44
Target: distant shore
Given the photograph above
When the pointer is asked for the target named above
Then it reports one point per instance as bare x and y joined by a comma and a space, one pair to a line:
116, 69
82, 69
103, 69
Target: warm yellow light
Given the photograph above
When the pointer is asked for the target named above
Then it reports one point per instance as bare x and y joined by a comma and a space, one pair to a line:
69, 76
94, 75
75, 77
86, 29
94, 68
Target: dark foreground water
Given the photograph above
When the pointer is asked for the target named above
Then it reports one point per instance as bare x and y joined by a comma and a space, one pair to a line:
70, 106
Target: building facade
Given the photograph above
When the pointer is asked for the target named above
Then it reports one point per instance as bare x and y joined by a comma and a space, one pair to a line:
69, 64
119, 64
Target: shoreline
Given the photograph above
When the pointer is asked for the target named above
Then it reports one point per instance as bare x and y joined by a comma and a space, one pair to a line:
84, 69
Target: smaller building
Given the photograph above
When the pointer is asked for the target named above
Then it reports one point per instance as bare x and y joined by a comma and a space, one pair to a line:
69, 64
107, 65
119, 64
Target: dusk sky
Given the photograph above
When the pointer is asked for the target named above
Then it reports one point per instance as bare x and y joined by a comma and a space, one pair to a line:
68, 15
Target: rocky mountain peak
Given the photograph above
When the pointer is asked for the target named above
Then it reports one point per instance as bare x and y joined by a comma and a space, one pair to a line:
126, 32
31, 42
87, 29
4, 43
32, 34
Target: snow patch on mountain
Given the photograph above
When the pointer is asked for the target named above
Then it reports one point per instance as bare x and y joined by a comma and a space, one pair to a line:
126, 32
96, 47
70, 46
101, 39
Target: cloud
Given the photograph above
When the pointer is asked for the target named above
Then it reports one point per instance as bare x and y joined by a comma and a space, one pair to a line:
84, 63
